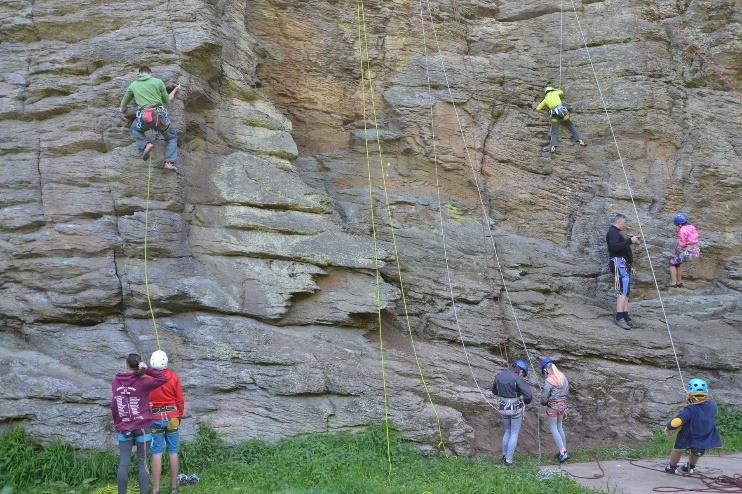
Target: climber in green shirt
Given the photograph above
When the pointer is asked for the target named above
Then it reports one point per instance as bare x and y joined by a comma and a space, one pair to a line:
558, 114
151, 97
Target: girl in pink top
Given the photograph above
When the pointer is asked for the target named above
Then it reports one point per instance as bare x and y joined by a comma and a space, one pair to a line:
687, 249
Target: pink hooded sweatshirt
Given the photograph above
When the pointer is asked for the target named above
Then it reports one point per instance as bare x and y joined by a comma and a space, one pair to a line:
687, 235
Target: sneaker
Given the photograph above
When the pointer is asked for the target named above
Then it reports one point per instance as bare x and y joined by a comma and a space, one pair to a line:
563, 457
622, 324
629, 322
582, 143
671, 469
509, 463
552, 149
687, 468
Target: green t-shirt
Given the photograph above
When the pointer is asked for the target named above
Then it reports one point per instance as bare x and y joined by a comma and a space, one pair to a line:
146, 91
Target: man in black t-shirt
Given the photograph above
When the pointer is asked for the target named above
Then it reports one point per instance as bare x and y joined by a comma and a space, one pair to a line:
621, 257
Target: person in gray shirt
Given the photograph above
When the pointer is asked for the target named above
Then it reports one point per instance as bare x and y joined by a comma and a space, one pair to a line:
513, 393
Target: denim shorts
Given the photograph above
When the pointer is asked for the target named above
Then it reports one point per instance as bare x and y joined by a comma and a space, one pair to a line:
134, 435
165, 433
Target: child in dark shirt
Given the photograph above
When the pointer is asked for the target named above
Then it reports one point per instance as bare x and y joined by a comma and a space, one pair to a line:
697, 424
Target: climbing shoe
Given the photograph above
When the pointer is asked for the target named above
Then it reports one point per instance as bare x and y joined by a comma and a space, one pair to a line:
147, 151
671, 469
582, 143
629, 322
563, 457
688, 468
622, 324
552, 149
678, 285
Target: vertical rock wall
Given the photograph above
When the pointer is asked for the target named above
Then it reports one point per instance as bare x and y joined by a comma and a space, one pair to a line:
261, 262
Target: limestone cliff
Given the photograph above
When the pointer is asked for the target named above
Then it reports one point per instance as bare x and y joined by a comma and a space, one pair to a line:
261, 260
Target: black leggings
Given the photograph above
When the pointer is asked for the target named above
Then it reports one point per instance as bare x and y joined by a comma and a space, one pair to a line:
122, 478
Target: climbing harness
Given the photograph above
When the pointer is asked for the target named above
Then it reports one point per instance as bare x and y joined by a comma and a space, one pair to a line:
377, 272
510, 407
559, 112
631, 192
153, 117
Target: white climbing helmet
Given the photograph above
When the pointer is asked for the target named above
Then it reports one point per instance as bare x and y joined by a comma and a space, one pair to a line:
158, 360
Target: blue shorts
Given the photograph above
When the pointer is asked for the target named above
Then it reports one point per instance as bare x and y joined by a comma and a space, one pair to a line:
622, 274
134, 435
163, 436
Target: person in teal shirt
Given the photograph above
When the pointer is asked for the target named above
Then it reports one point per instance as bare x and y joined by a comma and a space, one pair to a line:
558, 114
151, 97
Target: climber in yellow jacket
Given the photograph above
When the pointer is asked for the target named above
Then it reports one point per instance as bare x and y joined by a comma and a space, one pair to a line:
558, 114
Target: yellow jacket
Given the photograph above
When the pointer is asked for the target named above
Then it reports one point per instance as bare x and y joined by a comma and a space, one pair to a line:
551, 100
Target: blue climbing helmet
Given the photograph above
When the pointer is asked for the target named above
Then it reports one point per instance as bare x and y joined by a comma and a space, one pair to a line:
522, 365
680, 219
544, 362
697, 385
548, 89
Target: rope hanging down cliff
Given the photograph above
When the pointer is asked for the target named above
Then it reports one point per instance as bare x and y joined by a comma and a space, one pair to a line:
485, 214
146, 234
631, 193
363, 42
440, 216
377, 272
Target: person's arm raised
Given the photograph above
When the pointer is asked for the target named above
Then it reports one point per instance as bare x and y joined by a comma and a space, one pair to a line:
171, 96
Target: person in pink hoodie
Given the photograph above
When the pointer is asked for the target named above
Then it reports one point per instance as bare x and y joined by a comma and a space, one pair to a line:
687, 249
132, 419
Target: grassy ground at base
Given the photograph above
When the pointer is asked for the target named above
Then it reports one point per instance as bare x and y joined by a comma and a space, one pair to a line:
327, 464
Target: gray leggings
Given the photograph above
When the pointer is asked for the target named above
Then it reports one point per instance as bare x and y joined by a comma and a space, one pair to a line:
557, 431
511, 429
122, 479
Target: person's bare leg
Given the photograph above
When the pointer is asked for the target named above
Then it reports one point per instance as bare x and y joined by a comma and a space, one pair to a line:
156, 472
625, 304
680, 274
675, 457
693, 459
620, 303
673, 275
174, 467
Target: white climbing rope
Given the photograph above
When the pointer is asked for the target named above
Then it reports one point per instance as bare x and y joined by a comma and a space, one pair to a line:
440, 214
631, 193
485, 216
561, 38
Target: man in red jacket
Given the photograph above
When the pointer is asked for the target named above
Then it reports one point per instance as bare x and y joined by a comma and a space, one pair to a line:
167, 409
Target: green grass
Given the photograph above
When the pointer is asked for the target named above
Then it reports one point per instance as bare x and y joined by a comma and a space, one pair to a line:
312, 464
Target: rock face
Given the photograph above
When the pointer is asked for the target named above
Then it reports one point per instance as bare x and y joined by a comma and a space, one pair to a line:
261, 261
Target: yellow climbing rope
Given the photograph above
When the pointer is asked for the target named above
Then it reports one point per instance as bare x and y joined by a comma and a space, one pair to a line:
367, 78
146, 273
376, 254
